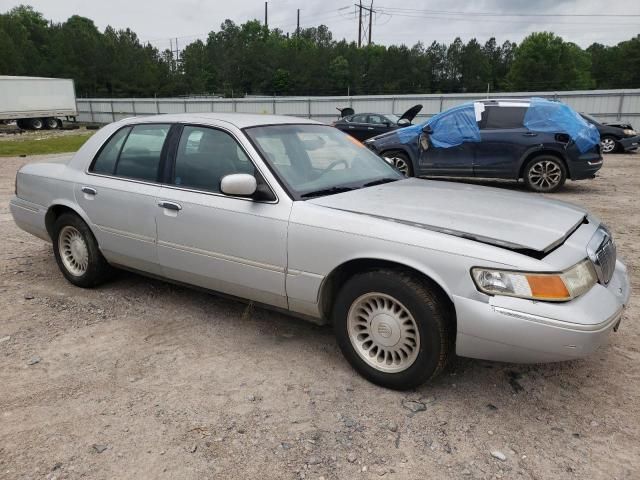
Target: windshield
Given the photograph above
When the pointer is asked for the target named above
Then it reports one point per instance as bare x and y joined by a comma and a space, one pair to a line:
314, 160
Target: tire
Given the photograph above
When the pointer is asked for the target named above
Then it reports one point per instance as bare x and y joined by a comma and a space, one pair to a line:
422, 314
400, 161
51, 123
545, 174
36, 124
22, 124
608, 144
77, 253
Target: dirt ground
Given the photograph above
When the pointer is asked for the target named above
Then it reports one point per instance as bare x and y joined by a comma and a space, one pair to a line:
143, 379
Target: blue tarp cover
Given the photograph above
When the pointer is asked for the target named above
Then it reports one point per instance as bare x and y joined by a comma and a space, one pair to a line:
547, 116
450, 128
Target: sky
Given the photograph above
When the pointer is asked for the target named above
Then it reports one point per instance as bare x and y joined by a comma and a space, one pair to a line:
395, 22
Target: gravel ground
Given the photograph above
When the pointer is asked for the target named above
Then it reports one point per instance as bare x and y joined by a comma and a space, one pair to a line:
143, 379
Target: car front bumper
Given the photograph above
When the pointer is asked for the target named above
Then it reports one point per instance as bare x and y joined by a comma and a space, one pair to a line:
523, 331
630, 143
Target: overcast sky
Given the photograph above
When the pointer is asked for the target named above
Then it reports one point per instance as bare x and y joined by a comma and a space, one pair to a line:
396, 22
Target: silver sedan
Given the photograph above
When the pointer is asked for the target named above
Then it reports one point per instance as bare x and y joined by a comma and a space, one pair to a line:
296, 215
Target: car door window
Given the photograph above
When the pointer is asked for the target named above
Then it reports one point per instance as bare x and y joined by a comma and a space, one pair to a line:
205, 156
106, 160
140, 155
359, 119
500, 117
376, 119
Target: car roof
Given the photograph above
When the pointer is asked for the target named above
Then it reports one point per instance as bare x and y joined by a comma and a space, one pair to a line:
239, 120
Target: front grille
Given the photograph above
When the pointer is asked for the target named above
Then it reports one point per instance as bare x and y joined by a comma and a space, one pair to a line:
602, 252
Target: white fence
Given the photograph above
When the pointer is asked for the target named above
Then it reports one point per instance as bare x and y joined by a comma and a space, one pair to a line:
606, 105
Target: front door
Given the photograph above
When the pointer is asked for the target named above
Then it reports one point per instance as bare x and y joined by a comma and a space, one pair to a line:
450, 162
119, 195
228, 244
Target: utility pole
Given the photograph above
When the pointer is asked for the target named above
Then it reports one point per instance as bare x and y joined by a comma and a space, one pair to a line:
364, 32
298, 24
370, 21
360, 25
266, 23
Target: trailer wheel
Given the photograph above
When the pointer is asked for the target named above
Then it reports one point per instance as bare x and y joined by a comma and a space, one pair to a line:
52, 123
36, 124
22, 124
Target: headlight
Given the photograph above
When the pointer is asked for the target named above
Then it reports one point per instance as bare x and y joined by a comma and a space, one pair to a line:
555, 287
628, 131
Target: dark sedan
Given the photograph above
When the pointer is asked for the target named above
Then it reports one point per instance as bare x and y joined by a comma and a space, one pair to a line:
366, 125
615, 136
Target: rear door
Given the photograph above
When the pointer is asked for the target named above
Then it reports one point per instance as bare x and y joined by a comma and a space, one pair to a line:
504, 140
358, 125
119, 195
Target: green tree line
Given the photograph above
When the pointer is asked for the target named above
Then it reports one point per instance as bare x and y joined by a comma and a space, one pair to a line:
253, 59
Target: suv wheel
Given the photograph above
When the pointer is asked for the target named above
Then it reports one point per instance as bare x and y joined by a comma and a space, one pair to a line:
401, 161
545, 174
392, 328
608, 144
77, 253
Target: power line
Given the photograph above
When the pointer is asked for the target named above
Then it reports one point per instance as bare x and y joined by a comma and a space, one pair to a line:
502, 14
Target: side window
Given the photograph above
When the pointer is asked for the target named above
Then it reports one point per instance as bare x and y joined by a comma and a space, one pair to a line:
495, 117
140, 156
205, 156
108, 156
377, 119
359, 119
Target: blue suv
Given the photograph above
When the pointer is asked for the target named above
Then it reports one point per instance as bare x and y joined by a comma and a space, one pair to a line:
505, 149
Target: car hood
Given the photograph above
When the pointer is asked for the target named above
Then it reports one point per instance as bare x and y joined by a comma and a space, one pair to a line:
618, 125
514, 220
411, 113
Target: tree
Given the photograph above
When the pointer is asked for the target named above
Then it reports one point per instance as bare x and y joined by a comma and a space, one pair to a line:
543, 61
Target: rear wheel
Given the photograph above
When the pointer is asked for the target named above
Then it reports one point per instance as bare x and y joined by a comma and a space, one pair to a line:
393, 328
401, 161
52, 123
77, 253
36, 124
545, 174
608, 144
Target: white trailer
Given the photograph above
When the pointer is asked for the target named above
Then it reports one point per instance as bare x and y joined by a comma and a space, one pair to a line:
36, 103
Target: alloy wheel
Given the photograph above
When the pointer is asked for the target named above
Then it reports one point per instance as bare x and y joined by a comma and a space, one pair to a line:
545, 175
73, 251
607, 145
401, 164
383, 332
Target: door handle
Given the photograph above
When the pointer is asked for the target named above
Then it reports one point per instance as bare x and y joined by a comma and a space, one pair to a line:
530, 134
369, 128
89, 190
170, 205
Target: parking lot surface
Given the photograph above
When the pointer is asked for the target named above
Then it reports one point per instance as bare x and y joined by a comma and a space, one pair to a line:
143, 379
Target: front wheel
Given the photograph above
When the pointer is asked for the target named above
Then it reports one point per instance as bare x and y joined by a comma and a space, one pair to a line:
608, 144
545, 174
77, 253
393, 328
400, 161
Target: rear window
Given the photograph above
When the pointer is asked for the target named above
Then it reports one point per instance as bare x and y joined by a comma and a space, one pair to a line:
495, 117
133, 152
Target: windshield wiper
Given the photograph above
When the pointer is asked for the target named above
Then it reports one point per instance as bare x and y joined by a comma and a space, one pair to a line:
326, 191
380, 181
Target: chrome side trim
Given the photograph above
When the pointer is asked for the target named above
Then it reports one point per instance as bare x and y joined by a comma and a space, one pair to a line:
122, 233
559, 323
221, 256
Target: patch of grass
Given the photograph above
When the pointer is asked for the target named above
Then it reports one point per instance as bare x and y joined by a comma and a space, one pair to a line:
32, 146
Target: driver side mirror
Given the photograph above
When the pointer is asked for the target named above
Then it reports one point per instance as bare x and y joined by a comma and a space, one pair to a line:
239, 185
